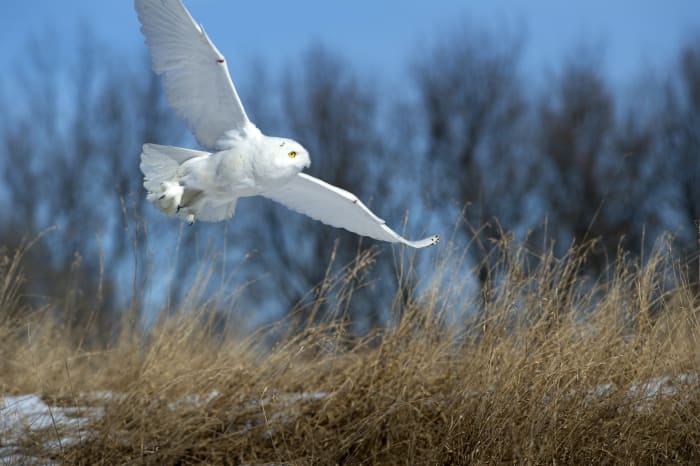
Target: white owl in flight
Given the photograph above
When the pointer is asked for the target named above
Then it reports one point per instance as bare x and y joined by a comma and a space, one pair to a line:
199, 185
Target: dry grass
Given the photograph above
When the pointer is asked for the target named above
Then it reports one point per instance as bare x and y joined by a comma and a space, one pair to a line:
553, 368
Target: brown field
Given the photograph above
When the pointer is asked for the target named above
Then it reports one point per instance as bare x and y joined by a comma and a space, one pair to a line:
554, 369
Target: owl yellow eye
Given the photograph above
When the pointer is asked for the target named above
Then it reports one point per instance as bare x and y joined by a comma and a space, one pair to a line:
292, 154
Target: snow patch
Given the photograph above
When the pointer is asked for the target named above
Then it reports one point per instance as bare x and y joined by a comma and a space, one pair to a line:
24, 415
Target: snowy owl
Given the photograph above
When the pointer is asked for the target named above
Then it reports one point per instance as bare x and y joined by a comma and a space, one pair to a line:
199, 185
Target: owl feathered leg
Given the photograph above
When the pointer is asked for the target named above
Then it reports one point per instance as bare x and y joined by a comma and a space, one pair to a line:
160, 166
168, 198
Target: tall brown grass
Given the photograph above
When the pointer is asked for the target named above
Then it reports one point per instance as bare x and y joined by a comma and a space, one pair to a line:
546, 365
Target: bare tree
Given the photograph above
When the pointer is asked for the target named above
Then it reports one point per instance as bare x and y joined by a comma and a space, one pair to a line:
471, 96
682, 143
333, 113
576, 125
600, 167
71, 159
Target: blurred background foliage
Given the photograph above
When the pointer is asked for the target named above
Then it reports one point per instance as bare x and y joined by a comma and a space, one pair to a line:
473, 140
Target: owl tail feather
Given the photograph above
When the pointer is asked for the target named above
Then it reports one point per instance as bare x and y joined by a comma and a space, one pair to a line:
159, 165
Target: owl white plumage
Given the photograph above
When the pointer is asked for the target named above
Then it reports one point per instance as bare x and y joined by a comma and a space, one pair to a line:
197, 185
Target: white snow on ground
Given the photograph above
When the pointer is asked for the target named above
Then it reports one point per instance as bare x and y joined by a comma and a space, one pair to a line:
20, 416
194, 400
662, 386
23, 415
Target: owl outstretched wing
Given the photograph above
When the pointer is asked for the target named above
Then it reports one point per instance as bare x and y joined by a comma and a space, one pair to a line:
194, 72
339, 208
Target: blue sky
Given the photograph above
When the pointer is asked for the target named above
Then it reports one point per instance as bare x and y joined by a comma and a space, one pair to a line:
380, 36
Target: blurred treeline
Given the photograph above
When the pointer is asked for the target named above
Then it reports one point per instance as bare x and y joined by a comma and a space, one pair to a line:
469, 139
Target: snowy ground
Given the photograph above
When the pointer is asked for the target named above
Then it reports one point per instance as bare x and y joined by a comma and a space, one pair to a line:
26, 418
